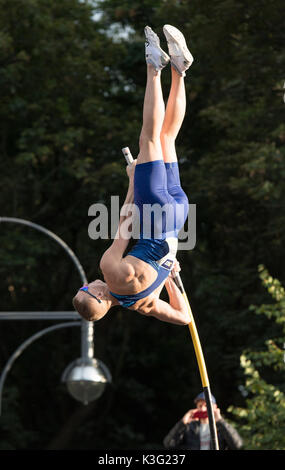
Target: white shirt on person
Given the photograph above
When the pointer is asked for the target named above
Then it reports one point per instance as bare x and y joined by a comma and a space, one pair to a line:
205, 436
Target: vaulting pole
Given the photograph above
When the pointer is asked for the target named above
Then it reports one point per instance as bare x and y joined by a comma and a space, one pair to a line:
201, 364
196, 344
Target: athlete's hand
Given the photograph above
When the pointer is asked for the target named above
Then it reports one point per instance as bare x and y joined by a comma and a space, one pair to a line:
131, 169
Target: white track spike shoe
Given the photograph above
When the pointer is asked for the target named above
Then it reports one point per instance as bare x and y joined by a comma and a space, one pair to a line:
154, 55
180, 56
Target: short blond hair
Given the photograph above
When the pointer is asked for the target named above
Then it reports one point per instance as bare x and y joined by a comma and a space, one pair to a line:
89, 308
83, 305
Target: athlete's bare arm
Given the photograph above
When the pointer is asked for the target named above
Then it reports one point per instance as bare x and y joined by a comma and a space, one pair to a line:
112, 263
176, 310
163, 311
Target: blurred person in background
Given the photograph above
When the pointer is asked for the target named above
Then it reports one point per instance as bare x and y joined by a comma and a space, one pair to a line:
192, 431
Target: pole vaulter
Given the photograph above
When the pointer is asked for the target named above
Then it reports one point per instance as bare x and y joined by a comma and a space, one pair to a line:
135, 280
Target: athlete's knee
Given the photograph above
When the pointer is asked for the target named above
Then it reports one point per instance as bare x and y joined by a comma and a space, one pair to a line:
167, 138
149, 139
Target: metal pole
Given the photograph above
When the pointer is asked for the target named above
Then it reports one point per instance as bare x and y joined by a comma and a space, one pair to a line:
45, 315
24, 345
87, 328
201, 365
87, 339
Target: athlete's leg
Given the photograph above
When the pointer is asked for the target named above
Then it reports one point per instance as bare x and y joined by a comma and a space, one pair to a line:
150, 181
180, 59
153, 116
174, 115
153, 109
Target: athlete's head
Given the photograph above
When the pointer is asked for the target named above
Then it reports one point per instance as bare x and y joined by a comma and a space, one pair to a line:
93, 300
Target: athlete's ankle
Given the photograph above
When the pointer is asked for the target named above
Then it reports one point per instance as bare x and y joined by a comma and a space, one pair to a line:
151, 70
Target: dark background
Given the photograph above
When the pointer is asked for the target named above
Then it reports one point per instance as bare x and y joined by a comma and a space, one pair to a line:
72, 77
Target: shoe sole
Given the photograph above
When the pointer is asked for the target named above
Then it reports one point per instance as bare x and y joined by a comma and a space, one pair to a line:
173, 34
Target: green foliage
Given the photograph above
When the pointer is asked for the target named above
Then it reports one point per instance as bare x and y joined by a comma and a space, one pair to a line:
263, 417
16, 436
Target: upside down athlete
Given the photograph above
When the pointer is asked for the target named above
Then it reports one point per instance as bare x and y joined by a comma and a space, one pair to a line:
135, 281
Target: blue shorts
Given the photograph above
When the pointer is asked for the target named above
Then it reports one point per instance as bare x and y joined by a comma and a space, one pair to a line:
157, 184
162, 203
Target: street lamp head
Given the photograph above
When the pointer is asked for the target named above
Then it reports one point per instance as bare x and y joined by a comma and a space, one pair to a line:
86, 379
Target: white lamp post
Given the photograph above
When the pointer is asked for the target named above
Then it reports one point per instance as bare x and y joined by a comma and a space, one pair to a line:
86, 379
